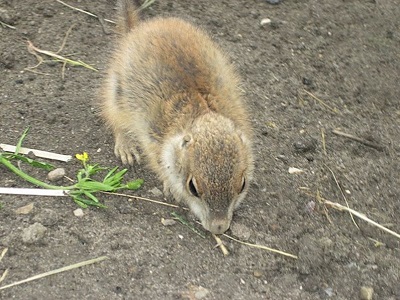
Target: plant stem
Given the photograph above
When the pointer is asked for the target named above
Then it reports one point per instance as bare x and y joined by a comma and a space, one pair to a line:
30, 179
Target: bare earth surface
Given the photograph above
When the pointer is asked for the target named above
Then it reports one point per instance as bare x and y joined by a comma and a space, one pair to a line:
345, 53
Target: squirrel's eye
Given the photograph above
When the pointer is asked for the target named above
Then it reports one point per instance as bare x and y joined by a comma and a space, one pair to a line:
192, 187
243, 185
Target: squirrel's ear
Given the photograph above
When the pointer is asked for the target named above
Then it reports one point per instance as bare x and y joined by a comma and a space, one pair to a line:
186, 140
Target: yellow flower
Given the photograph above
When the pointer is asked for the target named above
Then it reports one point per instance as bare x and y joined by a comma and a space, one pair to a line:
84, 157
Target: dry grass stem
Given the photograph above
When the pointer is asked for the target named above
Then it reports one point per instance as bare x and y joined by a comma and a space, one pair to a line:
332, 109
65, 38
145, 4
37, 153
326, 212
361, 216
33, 192
343, 195
34, 50
360, 140
261, 247
146, 199
3, 253
30, 69
215, 237
352, 212
376, 242
221, 245
323, 140
63, 269
83, 11
4, 275
7, 25
6, 271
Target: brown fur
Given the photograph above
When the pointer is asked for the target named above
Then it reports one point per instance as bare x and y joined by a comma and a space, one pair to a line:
171, 92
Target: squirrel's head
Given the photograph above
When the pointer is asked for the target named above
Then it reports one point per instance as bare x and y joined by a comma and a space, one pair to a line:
210, 168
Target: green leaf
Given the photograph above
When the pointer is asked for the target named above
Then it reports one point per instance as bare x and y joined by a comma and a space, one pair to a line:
93, 169
21, 139
84, 203
32, 162
109, 174
116, 179
91, 196
78, 201
134, 185
94, 185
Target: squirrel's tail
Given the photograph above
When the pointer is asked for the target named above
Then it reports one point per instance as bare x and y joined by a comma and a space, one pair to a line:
128, 15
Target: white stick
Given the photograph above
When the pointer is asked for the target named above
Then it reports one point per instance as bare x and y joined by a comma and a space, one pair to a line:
38, 153
361, 216
33, 192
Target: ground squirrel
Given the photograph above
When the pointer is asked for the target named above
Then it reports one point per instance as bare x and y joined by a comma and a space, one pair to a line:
171, 92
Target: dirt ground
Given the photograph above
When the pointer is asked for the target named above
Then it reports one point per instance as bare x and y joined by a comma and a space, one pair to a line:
317, 66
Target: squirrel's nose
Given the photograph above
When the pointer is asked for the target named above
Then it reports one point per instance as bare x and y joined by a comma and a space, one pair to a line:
219, 226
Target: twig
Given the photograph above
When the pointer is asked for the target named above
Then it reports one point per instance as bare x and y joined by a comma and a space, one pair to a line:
3, 253
145, 199
353, 212
361, 216
65, 38
6, 271
33, 192
83, 11
323, 140
38, 153
221, 245
176, 206
326, 212
360, 140
7, 25
332, 109
4, 275
63, 269
261, 247
341, 191
32, 49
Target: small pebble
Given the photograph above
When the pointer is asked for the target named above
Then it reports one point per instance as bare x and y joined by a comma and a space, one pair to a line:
78, 212
265, 21
24, 210
168, 222
329, 291
366, 293
305, 145
48, 12
201, 293
56, 174
33, 234
156, 192
241, 231
7, 59
293, 170
46, 216
258, 273
307, 81
6, 17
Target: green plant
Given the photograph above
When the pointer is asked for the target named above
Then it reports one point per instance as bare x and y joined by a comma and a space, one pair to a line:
84, 190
